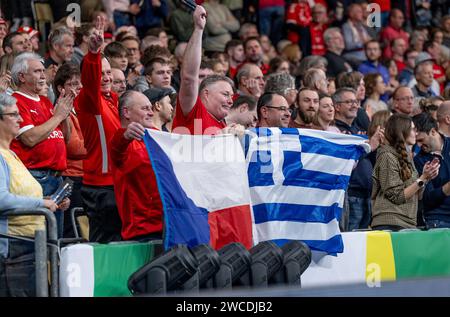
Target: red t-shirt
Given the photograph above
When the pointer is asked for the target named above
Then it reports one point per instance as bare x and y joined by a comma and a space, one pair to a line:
49, 153
137, 197
298, 14
400, 66
198, 121
317, 41
99, 120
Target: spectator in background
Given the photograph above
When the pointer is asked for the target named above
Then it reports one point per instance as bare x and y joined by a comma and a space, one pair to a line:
161, 107
283, 84
278, 65
61, 44
181, 23
393, 83
68, 78
271, 19
375, 88
14, 43
248, 30
119, 83
243, 112
160, 34
431, 105
157, 73
334, 42
393, 31
268, 49
250, 80
407, 74
403, 101
152, 14
373, 64
424, 78
396, 184
219, 26
254, 54
434, 49
3, 32
293, 54
355, 36
417, 40
135, 68
398, 48
273, 111
316, 79
82, 34
443, 118
33, 37
235, 52
117, 55
445, 26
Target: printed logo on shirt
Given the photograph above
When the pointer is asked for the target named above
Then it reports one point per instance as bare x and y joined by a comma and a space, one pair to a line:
33, 111
56, 135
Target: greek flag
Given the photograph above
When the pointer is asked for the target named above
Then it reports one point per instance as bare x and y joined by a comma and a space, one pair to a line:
297, 180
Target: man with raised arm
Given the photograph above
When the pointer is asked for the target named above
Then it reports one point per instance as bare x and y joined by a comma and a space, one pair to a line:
97, 108
201, 108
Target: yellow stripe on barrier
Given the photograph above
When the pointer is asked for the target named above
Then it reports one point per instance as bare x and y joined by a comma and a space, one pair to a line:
380, 262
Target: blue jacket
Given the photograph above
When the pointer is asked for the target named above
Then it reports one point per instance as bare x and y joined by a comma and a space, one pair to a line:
436, 205
369, 67
149, 16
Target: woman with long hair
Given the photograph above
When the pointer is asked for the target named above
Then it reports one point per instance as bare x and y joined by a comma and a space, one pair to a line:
375, 87
325, 115
396, 185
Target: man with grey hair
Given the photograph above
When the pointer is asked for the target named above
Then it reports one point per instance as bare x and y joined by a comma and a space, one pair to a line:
282, 84
334, 42
250, 80
61, 42
41, 142
443, 118
424, 77
316, 79
142, 215
201, 108
346, 108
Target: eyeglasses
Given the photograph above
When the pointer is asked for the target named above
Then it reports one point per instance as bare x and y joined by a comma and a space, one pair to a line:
15, 114
410, 98
282, 108
349, 102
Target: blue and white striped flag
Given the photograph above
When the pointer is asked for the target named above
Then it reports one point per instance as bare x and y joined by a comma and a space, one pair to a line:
298, 179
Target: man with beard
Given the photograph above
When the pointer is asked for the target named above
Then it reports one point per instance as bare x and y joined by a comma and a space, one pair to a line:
307, 107
434, 146
254, 53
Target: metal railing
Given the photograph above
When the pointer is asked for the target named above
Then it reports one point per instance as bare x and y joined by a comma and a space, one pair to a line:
41, 244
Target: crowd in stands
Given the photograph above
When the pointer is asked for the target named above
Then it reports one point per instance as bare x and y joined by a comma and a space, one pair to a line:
76, 104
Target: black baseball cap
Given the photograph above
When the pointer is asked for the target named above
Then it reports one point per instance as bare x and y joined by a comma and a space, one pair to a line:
156, 94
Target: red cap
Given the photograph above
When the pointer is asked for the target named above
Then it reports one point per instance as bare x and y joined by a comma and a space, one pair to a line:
28, 29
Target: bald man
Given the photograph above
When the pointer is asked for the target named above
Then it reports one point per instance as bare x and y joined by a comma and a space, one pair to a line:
443, 117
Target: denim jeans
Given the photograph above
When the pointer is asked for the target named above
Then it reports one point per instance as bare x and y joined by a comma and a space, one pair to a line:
437, 224
271, 22
360, 213
49, 185
17, 271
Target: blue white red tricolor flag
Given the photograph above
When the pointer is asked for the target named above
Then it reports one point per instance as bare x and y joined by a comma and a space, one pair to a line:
202, 181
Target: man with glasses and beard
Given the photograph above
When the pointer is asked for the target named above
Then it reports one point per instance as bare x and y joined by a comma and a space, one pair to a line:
307, 107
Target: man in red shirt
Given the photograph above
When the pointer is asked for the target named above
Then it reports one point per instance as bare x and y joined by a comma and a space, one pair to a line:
41, 143
137, 196
393, 31
97, 109
201, 108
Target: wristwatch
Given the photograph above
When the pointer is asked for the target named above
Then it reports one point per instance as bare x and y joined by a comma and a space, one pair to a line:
420, 182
